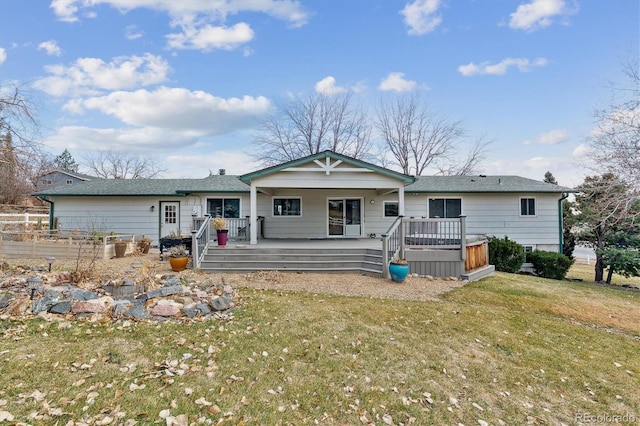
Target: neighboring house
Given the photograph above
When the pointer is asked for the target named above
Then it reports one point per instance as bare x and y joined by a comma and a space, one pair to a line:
57, 178
326, 195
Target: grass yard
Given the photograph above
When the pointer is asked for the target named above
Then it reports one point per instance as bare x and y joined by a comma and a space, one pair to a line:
509, 349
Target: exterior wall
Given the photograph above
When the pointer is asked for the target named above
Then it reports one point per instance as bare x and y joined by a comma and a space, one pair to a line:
131, 215
57, 179
313, 222
499, 215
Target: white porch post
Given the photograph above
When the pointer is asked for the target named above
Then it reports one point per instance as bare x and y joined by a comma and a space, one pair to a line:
401, 200
253, 218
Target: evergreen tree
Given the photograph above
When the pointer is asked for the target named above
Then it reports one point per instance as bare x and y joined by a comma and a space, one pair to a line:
65, 162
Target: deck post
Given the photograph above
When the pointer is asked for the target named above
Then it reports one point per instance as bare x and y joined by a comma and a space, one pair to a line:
463, 237
253, 225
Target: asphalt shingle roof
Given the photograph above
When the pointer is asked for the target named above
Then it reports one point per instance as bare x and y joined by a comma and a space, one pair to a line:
482, 184
158, 187
233, 184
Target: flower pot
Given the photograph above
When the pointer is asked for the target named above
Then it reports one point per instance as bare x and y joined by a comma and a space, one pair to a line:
222, 237
121, 248
398, 272
144, 246
178, 263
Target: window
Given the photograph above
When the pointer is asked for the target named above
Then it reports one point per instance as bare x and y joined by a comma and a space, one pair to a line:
228, 208
391, 209
527, 206
445, 208
170, 214
527, 249
287, 207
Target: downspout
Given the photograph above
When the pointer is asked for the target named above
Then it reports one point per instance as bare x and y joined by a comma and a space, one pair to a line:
51, 211
565, 195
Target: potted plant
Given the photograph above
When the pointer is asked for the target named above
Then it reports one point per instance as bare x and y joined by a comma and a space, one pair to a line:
178, 258
398, 269
220, 225
144, 244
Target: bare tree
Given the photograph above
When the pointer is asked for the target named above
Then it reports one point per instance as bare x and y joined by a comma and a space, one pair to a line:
451, 166
419, 137
616, 141
19, 151
17, 118
120, 165
306, 125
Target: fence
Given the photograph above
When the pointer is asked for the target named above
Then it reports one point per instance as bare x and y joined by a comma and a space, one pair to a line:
24, 219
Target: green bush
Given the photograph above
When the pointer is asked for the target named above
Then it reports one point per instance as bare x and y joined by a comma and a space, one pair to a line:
506, 255
549, 264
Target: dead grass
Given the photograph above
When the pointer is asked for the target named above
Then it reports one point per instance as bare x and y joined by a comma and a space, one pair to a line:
511, 349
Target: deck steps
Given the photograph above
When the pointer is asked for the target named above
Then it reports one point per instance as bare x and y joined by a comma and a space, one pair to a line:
329, 260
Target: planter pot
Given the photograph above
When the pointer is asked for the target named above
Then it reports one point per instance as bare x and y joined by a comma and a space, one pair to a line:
121, 248
178, 263
222, 237
144, 246
398, 272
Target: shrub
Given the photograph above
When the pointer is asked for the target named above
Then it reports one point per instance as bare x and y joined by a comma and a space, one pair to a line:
549, 264
506, 255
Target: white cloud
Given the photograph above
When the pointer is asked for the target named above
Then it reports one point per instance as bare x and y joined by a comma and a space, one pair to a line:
501, 67
234, 163
120, 139
395, 81
89, 76
51, 47
582, 151
552, 137
132, 32
210, 37
327, 86
420, 16
538, 14
178, 109
3, 55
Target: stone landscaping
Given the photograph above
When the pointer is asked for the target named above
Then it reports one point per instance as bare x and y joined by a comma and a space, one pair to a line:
33, 291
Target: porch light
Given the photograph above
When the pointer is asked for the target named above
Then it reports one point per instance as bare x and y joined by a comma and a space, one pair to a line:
152, 208
372, 201
50, 260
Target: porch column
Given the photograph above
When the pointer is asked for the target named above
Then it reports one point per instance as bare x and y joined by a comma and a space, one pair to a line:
253, 212
401, 200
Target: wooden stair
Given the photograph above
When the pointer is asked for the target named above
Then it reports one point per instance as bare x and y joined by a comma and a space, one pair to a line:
327, 260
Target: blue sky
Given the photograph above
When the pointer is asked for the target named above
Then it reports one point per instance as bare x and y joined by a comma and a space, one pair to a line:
186, 81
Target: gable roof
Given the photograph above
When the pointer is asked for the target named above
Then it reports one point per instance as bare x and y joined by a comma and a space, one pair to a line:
322, 155
483, 184
144, 187
77, 175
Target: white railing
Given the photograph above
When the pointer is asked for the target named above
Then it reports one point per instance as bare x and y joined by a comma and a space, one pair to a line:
25, 219
201, 238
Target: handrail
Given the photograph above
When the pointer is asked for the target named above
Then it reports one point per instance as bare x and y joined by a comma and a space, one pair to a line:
200, 239
392, 244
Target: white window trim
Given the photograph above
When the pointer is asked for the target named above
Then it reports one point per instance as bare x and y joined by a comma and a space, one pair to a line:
384, 205
286, 197
535, 206
446, 198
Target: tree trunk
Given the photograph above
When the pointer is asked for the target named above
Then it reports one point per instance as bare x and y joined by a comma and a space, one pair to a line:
609, 275
599, 268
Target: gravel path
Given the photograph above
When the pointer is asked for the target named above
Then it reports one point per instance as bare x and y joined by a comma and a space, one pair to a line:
414, 288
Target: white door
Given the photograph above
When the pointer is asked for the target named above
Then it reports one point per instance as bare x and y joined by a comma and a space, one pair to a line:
169, 217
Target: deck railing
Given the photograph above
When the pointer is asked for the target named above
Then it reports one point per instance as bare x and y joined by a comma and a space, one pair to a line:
200, 239
422, 233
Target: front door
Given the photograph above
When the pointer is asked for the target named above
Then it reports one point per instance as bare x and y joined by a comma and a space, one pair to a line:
345, 217
169, 217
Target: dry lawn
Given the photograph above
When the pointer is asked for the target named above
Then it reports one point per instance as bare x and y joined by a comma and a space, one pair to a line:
509, 349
